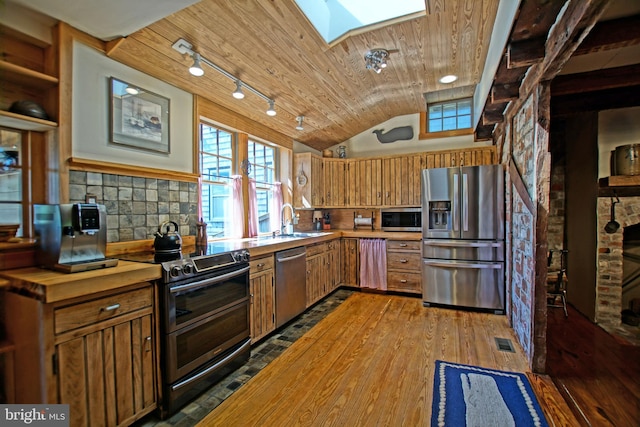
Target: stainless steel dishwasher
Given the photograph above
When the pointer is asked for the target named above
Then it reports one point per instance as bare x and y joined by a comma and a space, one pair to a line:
291, 284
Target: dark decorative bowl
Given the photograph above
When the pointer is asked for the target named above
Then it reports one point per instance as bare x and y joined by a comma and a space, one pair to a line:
29, 108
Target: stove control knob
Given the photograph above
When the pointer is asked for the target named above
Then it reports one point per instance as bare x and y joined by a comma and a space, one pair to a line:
175, 271
187, 269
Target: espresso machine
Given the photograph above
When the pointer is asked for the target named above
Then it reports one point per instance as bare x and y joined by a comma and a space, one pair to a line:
72, 237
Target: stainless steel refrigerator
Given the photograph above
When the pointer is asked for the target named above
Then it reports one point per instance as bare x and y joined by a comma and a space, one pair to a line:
463, 237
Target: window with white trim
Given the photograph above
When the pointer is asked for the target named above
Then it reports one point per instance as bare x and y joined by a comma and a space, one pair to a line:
263, 170
216, 167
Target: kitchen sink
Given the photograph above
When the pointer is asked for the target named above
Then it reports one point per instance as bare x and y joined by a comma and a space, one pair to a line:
295, 235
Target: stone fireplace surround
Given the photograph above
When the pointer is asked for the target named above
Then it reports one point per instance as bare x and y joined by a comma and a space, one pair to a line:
609, 269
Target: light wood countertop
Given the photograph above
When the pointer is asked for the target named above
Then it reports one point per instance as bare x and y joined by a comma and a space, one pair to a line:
52, 286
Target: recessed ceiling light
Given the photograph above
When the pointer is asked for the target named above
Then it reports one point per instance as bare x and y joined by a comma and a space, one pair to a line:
448, 79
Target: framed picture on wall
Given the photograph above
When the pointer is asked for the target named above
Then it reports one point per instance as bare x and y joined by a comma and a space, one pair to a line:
138, 118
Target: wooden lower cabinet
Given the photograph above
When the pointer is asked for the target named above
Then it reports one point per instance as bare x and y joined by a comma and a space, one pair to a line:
404, 266
333, 265
263, 297
323, 270
98, 355
350, 257
316, 273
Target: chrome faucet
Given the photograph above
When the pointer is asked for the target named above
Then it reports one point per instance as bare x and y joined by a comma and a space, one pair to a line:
287, 227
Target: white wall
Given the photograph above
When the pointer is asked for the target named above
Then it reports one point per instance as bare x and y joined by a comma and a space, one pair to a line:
90, 117
615, 128
366, 144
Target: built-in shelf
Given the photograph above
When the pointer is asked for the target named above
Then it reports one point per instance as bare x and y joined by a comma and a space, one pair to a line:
619, 185
19, 121
25, 76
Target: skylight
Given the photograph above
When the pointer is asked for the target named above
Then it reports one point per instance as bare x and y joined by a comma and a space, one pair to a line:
333, 18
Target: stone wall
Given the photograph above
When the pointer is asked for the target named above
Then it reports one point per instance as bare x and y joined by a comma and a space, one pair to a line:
137, 206
610, 263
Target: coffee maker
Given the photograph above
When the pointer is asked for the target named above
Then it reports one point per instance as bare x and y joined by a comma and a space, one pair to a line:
72, 237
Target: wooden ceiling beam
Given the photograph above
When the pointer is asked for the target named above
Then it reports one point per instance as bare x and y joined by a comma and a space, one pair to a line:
492, 117
483, 133
607, 78
504, 92
613, 34
525, 53
622, 97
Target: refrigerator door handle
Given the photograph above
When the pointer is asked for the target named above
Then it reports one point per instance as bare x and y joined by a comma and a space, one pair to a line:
457, 264
465, 202
462, 243
455, 208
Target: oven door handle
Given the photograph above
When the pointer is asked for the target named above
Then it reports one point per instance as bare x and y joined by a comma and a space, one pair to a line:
212, 367
209, 281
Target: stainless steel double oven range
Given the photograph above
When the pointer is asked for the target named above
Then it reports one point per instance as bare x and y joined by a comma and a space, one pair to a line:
204, 317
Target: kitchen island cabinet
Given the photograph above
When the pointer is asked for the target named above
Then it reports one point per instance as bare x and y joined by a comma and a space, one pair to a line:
262, 290
96, 352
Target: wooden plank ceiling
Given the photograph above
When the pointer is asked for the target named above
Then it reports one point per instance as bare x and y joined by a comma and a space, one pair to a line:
271, 46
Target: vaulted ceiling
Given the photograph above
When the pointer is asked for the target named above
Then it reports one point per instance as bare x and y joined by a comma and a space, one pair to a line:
274, 48
271, 46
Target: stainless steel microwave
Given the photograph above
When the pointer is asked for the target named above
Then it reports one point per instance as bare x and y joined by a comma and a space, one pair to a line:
401, 219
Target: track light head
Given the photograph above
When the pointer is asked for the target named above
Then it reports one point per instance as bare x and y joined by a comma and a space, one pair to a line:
196, 68
299, 119
238, 94
376, 59
271, 111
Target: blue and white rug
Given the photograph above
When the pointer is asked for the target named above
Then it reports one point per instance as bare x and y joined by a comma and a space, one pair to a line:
466, 395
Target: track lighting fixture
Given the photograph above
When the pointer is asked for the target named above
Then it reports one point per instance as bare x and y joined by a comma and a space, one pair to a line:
238, 93
299, 119
271, 111
184, 47
376, 59
196, 68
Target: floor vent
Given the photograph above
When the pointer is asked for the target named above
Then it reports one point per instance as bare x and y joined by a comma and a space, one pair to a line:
504, 344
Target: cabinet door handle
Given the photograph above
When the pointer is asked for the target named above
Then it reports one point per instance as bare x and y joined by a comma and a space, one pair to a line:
403, 245
148, 344
111, 307
403, 281
403, 261
260, 265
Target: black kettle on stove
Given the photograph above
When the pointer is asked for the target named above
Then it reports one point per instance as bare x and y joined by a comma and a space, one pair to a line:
168, 243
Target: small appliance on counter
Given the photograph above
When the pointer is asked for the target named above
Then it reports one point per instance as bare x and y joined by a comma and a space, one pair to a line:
72, 237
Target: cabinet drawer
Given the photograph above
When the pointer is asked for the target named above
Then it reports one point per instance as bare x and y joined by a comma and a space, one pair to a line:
406, 261
404, 245
316, 249
90, 312
260, 264
406, 282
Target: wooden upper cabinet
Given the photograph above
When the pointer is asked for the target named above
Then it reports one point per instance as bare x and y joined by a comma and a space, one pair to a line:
364, 182
401, 180
28, 73
334, 182
308, 190
374, 182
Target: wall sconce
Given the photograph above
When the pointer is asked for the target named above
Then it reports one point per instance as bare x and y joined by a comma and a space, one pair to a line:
184, 47
299, 119
376, 59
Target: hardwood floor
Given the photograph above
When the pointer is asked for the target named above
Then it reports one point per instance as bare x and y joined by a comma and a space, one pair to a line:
371, 362
597, 374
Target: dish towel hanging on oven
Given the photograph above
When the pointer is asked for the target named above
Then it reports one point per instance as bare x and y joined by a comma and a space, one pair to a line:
373, 263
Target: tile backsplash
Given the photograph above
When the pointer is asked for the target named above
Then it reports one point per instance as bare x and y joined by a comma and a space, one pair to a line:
137, 206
